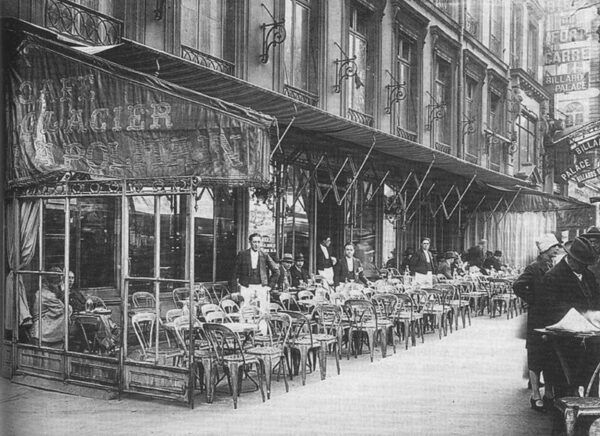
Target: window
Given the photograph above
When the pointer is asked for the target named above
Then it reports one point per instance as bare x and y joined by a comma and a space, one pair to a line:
405, 112
526, 137
296, 218
300, 62
496, 25
472, 104
532, 50
206, 27
575, 112
443, 96
357, 46
473, 17
516, 34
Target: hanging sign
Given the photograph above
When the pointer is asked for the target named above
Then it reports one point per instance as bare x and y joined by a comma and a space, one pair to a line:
566, 82
582, 170
587, 146
67, 114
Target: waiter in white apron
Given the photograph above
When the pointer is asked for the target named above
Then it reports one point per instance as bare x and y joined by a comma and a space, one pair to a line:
251, 270
423, 265
325, 261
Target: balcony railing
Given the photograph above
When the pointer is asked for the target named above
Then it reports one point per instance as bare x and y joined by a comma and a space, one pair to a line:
496, 45
405, 134
471, 24
359, 117
206, 60
444, 5
300, 95
82, 24
445, 148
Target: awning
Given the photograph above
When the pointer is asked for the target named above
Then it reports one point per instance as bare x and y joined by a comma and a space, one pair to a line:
306, 117
72, 111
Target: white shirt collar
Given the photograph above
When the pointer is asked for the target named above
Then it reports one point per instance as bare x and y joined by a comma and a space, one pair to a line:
325, 251
254, 258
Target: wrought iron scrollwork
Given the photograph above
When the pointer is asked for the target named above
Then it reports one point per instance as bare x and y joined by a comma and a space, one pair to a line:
435, 111
273, 34
468, 125
345, 69
82, 23
396, 92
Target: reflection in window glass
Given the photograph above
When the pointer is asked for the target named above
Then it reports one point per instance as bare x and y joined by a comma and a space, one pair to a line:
204, 235
295, 225
364, 234
53, 233
173, 212
261, 220
141, 236
226, 232
389, 231
95, 238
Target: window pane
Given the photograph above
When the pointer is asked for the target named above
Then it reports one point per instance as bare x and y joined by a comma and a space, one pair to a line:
295, 226
364, 234
173, 231
261, 221
226, 232
204, 236
210, 25
53, 233
95, 240
358, 48
301, 47
141, 236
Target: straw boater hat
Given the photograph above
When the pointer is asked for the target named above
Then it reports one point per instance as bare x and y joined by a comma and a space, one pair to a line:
546, 242
581, 250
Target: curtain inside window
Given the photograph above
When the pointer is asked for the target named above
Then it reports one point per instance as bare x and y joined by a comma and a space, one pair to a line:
28, 230
514, 235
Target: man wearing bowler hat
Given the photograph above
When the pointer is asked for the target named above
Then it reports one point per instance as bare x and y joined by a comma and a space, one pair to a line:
569, 284
283, 280
299, 274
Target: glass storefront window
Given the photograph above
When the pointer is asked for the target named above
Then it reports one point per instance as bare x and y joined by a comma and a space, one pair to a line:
226, 231
365, 231
295, 225
141, 236
204, 216
173, 231
262, 221
389, 228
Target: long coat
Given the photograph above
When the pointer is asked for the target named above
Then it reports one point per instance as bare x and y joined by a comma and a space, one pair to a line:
561, 291
528, 286
242, 269
341, 272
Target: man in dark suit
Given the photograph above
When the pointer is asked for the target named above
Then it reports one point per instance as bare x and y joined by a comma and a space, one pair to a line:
570, 285
476, 254
349, 268
283, 280
423, 265
251, 269
299, 274
325, 261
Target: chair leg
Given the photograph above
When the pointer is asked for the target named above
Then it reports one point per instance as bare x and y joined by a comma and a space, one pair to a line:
266, 364
337, 357
283, 362
323, 359
233, 371
260, 382
303, 360
371, 338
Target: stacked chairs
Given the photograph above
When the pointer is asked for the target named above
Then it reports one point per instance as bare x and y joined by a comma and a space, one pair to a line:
306, 301
502, 298
231, 308
144, 324
460, 306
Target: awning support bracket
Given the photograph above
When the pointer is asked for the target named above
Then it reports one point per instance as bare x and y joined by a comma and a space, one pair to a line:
509, 206
357, 173
461, 196
370, 197
280, 138
420, 184
489, 217
334, 181
442, 204
307, 181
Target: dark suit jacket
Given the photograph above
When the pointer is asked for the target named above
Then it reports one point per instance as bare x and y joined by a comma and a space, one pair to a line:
323, 263
242, 269
341, 272
562, 291
475, 256
418, 263
298, 275
444, 268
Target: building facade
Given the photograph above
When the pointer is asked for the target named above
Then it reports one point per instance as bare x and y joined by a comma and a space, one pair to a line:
390, 121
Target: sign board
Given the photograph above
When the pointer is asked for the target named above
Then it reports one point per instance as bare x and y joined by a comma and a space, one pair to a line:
566, 82
67, 114
582, 166
584, 147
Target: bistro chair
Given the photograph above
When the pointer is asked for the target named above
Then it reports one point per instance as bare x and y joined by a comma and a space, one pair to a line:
409, 320
363, 322
275, 307
306, 301
85, 338
385, 306
287, 301
249, 313
143, 300
231, 357
143, 326
330, 332
231, 308
207, 308
204, 360
302, 343
573, 408
272, 347
502, 298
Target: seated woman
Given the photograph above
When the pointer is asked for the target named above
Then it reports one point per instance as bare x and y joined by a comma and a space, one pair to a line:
49, 324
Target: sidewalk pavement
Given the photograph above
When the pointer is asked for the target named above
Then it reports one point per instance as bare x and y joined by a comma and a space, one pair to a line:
469, 383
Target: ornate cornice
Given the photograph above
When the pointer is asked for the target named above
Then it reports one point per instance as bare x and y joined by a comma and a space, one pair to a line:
528, 85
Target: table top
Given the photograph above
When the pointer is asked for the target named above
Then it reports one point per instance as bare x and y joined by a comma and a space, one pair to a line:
241, 327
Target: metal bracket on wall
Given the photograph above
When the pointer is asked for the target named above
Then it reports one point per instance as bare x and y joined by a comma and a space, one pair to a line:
273, 34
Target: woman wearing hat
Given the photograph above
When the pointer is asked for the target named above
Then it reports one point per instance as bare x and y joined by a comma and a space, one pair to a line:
570, 284
528, 287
